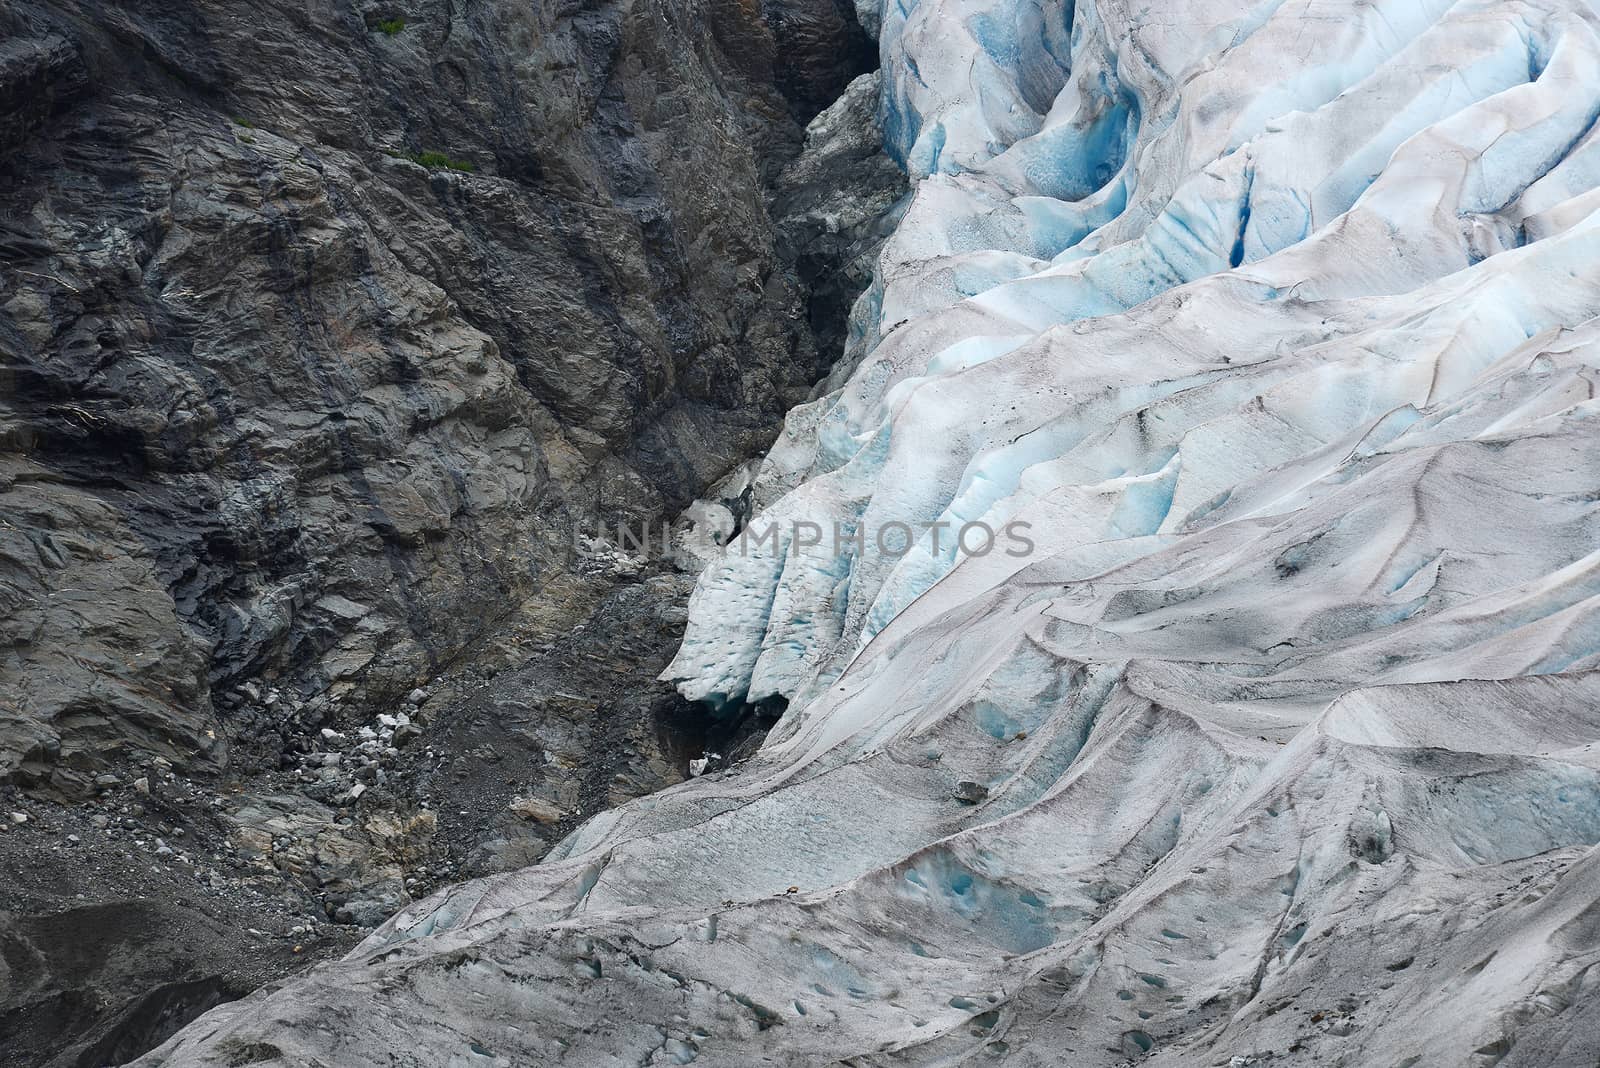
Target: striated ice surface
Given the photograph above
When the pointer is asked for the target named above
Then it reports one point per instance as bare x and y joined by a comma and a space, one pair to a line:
1276, 326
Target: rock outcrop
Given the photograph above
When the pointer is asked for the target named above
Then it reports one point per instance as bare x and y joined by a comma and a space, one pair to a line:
322, 328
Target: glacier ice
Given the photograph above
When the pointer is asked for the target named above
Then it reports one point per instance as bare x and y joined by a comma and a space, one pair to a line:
1278, 326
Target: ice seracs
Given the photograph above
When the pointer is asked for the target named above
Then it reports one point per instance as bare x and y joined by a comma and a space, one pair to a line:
1415, 149
1276, 326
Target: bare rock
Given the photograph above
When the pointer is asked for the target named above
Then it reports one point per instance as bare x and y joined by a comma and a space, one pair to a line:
313, 365
536, 810
969, 792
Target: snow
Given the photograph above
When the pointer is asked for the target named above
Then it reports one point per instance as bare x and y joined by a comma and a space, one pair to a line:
1276, 327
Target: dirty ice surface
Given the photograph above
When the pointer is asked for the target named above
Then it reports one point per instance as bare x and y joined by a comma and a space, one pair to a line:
1276, 324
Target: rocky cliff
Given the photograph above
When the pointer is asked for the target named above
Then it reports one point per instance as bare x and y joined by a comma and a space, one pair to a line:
322, 328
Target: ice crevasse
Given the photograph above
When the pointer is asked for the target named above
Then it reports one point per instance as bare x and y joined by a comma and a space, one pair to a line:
1277, 324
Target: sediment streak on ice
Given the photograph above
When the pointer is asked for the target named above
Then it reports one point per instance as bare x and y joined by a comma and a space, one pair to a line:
1277, 323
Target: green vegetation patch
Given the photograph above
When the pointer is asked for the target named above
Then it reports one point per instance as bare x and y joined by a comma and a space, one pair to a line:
435, 160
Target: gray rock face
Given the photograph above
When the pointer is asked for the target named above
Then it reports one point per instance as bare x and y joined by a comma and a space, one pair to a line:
321, 328
836, 206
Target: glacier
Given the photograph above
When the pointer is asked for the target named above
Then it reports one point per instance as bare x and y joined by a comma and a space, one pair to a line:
1277, 326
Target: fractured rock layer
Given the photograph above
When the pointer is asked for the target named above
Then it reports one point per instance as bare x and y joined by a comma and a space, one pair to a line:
322, 328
